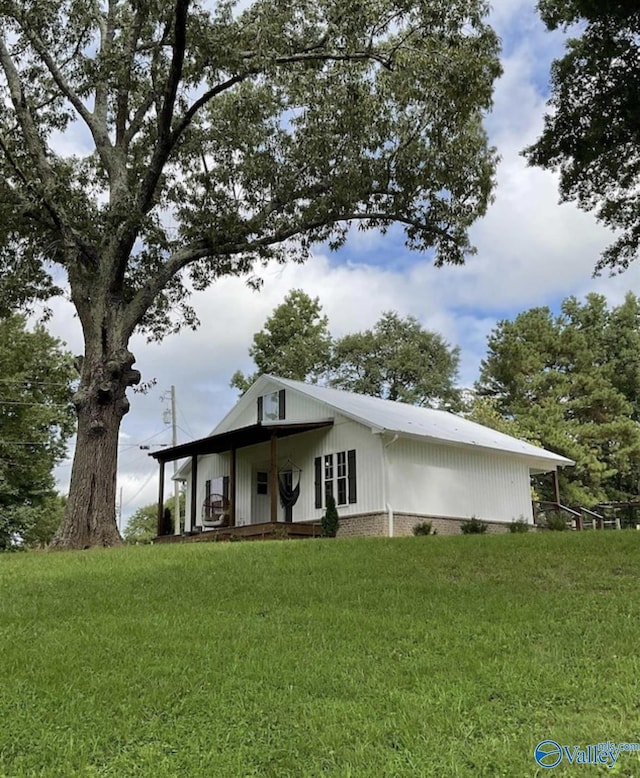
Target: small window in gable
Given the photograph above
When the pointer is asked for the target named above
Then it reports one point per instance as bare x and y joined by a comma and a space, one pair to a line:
271, 406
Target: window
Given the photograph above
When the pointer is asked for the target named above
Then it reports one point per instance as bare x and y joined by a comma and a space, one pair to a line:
262, 483
328, 477
271, 406
341, 457
335, 474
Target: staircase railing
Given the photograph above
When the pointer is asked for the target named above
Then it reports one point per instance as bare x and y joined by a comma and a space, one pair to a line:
543, 509
576, 517
597, 519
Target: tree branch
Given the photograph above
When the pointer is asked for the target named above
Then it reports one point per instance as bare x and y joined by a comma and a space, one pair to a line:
203, 100
335, 57
98, 130
165, 116
122, 99
36, 150
144, 298
107, 32
33, 141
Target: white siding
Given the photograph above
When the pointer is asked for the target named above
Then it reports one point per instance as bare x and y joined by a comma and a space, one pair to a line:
300, 450
448, 481
298, 407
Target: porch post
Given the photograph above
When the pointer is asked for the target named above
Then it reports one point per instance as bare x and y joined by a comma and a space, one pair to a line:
273, 478
556, 487
232, 488
160, 525
194, 491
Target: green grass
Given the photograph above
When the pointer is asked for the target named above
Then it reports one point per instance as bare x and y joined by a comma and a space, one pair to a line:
446, 656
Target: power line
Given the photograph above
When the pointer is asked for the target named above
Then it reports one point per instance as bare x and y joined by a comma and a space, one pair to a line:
29, 382
43, 404
188, 431
24, 442
149, 477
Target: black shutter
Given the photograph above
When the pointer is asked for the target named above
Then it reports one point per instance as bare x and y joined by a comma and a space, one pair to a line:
225, 487
317, 464
351, 466
259, 409
281, 408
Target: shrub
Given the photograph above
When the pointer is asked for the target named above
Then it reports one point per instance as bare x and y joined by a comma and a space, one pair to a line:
330, 521
473, 527
518, 526
423, 528
556, 521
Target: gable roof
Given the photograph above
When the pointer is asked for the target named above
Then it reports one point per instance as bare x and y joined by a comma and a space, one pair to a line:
416, 422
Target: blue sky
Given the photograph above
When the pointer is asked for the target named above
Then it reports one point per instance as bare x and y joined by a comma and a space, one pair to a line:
531, 252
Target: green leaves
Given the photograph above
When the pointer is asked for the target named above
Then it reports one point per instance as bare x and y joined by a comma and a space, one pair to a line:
398, 360
215, 137
36, 420
295, 342
592, 134
572, 382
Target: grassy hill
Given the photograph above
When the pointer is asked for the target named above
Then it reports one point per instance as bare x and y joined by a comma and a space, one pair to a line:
445, 656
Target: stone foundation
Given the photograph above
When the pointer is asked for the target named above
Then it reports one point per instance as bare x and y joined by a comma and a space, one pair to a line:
403, 524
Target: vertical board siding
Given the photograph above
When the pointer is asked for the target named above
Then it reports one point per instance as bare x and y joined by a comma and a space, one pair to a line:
298, 407
436, 480
301, 450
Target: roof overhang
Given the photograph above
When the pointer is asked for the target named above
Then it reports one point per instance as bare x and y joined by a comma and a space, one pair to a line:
239, 438
539, 460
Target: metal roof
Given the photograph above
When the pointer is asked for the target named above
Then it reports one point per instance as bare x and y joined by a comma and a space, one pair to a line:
416, 422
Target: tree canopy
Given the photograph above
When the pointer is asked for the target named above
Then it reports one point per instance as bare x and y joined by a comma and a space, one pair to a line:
142, 527
211, 138
572, 382
294, 343
36, 420
592, 133
397, 360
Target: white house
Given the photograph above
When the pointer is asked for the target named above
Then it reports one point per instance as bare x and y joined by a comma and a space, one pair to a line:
389, 465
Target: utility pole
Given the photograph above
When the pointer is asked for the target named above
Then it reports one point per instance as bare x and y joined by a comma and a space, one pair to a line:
174, 442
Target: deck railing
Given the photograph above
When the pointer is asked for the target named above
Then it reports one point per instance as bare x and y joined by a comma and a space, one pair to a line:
577, 518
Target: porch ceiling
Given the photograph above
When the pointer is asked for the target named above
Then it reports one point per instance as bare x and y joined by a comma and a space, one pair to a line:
240, 438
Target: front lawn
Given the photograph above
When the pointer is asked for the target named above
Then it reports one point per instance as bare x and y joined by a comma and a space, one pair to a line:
445, 656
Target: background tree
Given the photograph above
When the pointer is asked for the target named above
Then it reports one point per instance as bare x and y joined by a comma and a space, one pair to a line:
571, 382
485, 410
217, 138
294, 343
592, 134
142, 527
36, 420
398, 360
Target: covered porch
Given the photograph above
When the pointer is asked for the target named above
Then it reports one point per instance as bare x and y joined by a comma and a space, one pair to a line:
262, 531
229, 443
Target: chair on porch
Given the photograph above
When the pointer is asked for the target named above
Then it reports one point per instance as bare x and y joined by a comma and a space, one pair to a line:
216, 511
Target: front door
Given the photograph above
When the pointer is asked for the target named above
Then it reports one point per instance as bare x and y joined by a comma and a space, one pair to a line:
261, 502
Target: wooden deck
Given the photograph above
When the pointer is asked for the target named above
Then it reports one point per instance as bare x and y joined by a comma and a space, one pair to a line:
266, 531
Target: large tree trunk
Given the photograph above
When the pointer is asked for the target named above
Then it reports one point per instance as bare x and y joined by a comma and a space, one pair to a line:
101, 403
